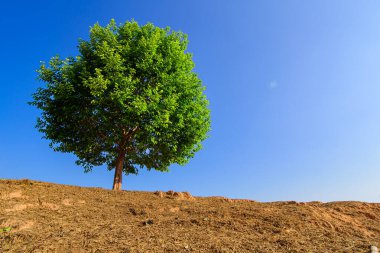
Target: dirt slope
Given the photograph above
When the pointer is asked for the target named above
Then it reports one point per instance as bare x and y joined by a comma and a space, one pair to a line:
58, 218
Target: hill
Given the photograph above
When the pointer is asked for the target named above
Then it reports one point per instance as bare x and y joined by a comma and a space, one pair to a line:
44, 217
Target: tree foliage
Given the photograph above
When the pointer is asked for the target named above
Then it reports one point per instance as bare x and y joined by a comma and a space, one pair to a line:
131, 94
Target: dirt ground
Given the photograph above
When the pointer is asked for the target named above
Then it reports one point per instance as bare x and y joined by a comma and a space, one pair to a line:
45, 217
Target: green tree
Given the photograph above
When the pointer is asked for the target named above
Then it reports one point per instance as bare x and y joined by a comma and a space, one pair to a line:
130, 99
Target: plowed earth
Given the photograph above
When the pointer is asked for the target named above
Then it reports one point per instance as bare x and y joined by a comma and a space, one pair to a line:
45, 217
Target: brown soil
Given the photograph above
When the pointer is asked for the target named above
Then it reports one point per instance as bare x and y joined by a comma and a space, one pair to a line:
58, 218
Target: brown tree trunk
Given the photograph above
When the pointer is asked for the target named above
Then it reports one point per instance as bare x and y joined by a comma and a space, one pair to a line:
121, 156
118, 172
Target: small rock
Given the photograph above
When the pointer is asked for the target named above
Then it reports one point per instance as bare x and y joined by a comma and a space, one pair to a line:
159, 194
170, 193
374, 249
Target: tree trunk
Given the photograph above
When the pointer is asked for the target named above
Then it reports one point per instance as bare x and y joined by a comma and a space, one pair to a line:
118, 172
121, 156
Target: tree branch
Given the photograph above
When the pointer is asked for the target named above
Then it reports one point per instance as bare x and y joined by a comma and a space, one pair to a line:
127, 136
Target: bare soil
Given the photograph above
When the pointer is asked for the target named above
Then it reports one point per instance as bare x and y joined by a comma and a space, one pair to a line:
45, 217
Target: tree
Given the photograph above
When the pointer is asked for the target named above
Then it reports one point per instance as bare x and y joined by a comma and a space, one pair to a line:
130, 99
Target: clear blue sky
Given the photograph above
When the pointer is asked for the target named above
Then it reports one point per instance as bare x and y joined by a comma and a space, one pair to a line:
294, 90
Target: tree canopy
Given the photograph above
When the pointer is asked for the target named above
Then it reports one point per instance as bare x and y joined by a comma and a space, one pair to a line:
130, 99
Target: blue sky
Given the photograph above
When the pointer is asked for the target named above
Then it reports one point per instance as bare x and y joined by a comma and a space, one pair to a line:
294, 90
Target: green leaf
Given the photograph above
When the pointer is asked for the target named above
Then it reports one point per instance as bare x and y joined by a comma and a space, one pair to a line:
6, 229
